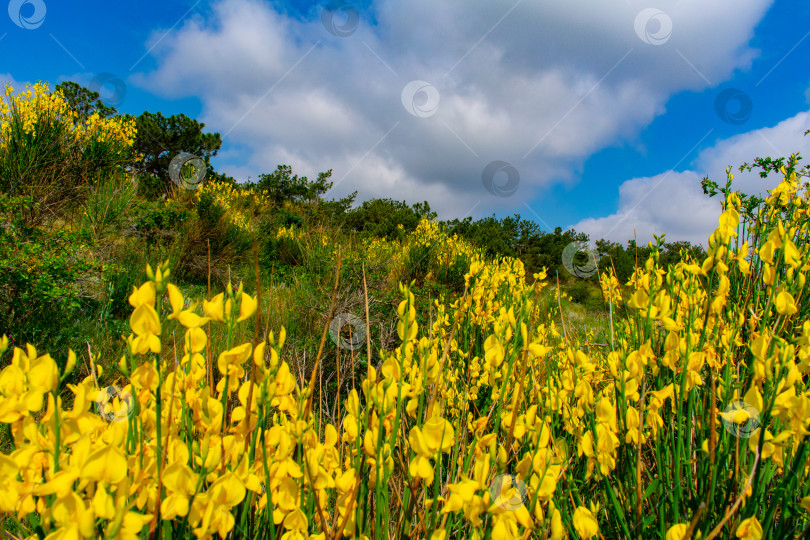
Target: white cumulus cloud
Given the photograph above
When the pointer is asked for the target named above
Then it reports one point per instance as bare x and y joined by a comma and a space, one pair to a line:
540, 85
674, 203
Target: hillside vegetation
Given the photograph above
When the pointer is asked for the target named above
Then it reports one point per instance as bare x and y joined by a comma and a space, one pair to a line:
253, 360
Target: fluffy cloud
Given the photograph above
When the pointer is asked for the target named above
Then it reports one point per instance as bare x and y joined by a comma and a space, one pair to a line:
539, 85
673, 202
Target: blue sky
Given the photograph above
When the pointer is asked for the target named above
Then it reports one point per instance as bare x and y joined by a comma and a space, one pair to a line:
598, 115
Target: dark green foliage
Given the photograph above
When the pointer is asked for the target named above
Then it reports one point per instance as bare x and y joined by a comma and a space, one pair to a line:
509, 237
286, 251
624, 259
209, 211
520, 238
586, 293
453, 274
523, 239
579, 291
47, 277
282, 186
160, 139
161, 219
300, 200
84, 101
382, 217
289, 219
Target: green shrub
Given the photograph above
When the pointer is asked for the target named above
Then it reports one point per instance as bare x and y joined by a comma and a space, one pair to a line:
47, 277
49, 153
161, 219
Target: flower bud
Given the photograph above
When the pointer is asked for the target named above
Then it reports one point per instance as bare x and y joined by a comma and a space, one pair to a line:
71, 362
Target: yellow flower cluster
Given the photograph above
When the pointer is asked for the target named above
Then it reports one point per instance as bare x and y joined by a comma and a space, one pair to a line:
286, 232
38, 104
240, 204
428, 244
486, 422
429, 234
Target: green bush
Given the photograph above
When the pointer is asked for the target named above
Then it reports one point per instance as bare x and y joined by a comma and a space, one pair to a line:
53, 157
579, 291
161, 218
586, 294
453, 274
47, 277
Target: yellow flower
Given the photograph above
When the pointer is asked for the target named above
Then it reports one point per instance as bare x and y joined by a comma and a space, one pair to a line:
785, 304
131, 525
585, 523
247, 308
191, 320
146, 325
146, 376
106, 464
214, 308
766, 252
43, 374
557, 529
230, 365
792, 255
180, 483
677, 532
175, 299
143, 295
438, 434
750, 529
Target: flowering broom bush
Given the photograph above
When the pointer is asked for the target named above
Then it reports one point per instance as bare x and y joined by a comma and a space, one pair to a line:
491, 422
240, 205
43, 140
